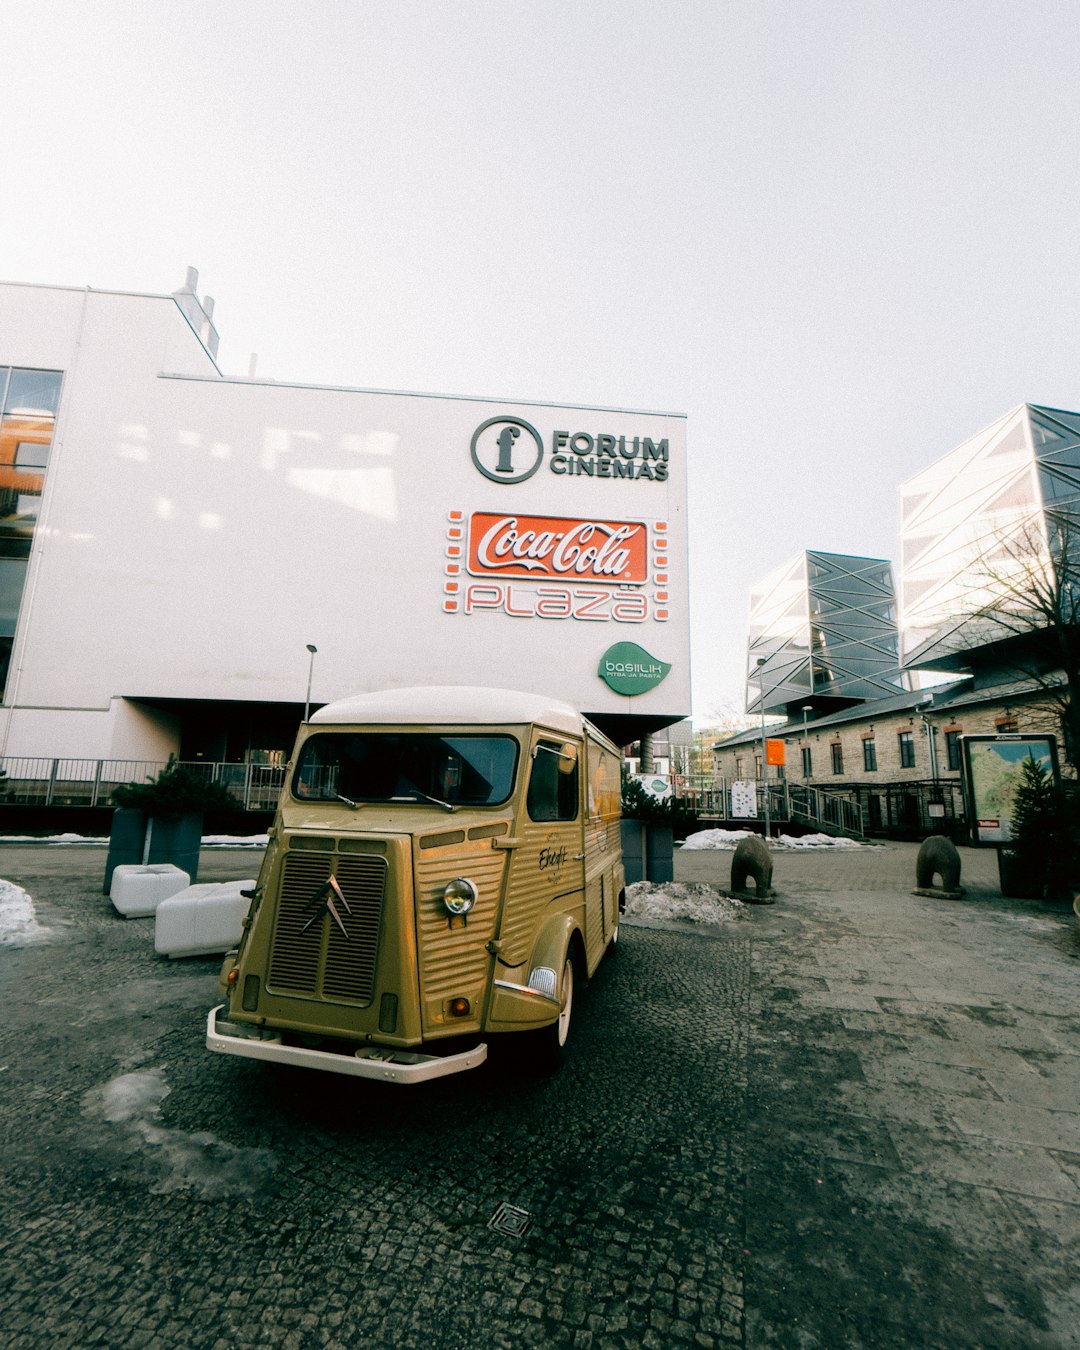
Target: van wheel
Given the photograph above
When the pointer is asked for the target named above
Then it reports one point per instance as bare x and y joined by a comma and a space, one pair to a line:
562, 1026
547, 1044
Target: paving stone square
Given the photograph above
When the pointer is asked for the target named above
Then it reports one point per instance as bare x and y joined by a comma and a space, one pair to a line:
848, 1119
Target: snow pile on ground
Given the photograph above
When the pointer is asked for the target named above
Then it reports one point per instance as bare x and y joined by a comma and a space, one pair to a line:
208, 840
235, 840
726, 839
819, 841
18, 927
678, 900
51, 839
729, 839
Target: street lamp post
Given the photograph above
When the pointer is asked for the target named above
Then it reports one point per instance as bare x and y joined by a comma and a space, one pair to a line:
764, 765
806, 708
310, 671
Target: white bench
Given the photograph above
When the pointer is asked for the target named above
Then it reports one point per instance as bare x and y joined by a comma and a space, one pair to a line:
136, 891
202, 920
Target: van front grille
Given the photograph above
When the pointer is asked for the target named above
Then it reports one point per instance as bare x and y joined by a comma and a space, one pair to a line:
312, 954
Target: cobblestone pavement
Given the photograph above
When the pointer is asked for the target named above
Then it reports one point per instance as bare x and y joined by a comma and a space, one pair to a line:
157, 1195
849, 1119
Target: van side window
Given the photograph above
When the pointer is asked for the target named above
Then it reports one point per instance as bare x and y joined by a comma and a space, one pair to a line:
553, 784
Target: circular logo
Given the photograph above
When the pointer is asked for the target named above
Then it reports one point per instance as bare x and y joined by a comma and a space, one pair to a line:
506, 449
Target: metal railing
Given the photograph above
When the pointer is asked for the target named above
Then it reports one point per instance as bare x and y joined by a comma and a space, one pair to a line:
91, 782
789, 803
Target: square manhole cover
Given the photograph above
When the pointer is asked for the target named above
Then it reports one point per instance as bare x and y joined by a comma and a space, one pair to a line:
511, 1220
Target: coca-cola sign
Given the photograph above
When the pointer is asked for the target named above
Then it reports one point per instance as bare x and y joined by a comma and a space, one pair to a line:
543, 548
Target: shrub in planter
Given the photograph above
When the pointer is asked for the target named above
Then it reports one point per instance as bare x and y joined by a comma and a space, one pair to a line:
176, 791
676, 812
160, 821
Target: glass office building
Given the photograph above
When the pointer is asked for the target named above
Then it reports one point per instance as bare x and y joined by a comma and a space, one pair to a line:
823, 634
979, 523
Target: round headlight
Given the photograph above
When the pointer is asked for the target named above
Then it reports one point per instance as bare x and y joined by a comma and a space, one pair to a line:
459, 896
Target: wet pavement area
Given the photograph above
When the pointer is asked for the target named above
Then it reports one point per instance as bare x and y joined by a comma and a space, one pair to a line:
851, 1118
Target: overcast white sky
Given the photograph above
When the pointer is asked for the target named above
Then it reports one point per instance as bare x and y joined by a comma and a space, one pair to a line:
840, 235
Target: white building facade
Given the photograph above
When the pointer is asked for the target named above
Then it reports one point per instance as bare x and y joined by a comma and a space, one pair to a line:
173, 542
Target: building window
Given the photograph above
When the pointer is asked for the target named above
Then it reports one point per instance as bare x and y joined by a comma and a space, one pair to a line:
869, 754
807, 762
952, 749
837, 757
1005, 724
907, 749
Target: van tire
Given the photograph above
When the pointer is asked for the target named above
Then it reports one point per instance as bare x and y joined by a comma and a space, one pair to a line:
547, 1045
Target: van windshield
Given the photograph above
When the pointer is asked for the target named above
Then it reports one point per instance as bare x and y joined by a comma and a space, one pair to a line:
371, 766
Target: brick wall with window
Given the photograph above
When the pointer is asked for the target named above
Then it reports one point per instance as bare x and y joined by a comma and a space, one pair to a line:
884, 749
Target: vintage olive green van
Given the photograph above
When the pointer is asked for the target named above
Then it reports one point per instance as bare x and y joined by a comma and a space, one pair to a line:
444, 865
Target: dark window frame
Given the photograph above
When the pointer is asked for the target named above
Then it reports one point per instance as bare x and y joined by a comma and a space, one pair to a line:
553, 793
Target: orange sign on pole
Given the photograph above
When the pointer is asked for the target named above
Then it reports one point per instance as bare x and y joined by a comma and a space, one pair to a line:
774, 752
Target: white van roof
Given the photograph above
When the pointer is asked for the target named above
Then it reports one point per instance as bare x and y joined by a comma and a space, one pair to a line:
441, 704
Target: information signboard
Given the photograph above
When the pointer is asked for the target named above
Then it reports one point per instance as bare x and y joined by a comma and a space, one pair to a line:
991, 771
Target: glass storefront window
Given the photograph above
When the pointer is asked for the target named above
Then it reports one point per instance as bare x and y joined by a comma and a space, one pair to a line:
28, 403
33, 393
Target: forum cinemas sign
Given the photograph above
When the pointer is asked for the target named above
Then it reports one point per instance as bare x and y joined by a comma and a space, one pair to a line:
510, 450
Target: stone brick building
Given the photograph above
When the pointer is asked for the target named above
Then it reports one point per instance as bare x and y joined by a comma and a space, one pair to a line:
897, 758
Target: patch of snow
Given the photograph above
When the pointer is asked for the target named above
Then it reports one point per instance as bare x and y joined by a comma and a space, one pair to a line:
820, 841
726, 839
681, 900
18, 926
729, 840
52, 839
208, 840
199, 1161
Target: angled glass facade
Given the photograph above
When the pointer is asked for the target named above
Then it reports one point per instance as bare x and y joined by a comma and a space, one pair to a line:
823, 632
976, 522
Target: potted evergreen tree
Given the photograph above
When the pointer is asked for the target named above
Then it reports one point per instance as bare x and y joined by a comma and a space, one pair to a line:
161, 820
1037, 862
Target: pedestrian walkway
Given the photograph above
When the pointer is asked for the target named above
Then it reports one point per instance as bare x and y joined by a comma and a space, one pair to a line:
913, 1114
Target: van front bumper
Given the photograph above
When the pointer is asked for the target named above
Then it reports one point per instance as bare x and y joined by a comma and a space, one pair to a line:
384, 1063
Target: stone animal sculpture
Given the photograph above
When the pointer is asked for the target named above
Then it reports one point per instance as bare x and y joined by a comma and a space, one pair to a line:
752, 859
938, 856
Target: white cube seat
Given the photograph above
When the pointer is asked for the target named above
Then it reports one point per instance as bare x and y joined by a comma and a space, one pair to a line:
202, 920
136, 891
